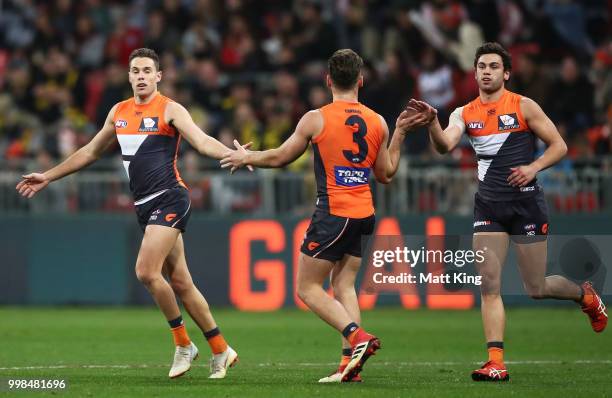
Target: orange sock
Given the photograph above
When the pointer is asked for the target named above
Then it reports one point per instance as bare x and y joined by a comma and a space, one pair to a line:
217, 344
180, 336
496, 354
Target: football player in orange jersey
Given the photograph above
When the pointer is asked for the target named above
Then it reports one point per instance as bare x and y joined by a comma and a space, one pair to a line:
148, 127
348, 140
503, 127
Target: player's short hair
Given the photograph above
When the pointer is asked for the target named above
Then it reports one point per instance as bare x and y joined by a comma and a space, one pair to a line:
145, 53
494, 48
344, 67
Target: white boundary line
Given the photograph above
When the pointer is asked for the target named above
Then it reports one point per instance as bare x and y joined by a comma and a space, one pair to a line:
315, 364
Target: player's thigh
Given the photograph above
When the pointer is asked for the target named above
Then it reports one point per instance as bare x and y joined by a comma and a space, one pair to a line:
532, 259
345, 272
312, 271
157, 243
530, 233
175, 266
494, 248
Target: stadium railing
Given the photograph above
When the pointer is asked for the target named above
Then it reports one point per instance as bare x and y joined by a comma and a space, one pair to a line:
434, 189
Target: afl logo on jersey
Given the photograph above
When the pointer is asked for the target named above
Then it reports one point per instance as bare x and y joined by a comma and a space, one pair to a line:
120, 124
475, 125
507, 122
149, 125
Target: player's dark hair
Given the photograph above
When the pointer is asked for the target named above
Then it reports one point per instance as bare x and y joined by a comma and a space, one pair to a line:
145, 53
344, 67
494, 48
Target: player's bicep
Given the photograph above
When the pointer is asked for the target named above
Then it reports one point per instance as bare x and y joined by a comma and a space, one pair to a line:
178, 117
455, 129
538, 122
309, 125
382, 157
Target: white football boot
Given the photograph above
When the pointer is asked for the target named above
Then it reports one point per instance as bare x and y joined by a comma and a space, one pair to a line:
220, 362
183, 356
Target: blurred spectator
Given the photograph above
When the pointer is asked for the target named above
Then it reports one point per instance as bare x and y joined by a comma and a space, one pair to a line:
249, 69
572, 102
528, 79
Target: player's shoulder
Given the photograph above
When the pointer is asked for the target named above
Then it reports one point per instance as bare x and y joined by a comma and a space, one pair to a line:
119, 106
313, 120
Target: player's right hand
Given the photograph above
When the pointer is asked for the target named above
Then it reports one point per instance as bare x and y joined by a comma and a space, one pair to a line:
422, 107
31, 184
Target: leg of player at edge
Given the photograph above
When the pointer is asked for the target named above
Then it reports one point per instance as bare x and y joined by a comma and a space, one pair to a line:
491, 304
161, 246
532, 266
175, 268
343, 278
312, 272
532, 258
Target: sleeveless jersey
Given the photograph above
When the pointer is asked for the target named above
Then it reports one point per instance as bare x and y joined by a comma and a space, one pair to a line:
501, 139
344, 153
149, 147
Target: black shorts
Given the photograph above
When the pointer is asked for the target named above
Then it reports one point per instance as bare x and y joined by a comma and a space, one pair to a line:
331, 237
172, 209
526, 220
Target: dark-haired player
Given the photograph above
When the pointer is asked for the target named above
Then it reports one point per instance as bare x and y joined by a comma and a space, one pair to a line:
502, 127
348, 140
149, 128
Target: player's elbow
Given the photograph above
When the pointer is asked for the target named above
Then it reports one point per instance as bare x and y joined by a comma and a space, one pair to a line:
90, 154
562, 148
383, 179
278, 160
442, 149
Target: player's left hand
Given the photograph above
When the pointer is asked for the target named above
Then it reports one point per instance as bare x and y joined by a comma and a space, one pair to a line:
522, 175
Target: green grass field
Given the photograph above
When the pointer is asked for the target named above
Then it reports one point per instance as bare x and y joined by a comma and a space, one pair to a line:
127, 352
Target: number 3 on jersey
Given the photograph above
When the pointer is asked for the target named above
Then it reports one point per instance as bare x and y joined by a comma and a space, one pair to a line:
358, 138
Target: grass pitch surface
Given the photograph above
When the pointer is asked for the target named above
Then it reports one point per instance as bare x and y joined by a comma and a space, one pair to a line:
119, 352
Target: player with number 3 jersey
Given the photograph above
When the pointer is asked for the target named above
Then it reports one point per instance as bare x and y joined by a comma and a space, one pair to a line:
349, 141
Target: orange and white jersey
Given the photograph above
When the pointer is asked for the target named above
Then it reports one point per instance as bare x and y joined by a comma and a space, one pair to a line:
501, 139
149, 147
344, 153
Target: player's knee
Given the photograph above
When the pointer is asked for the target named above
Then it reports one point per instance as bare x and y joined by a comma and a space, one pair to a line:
342, 292
490, 284
536, 292
181, 286
304, 292
146, 277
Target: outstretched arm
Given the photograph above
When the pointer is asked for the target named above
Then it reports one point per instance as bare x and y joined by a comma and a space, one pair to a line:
309, 125
545, 129
388, 158
177, 116
445, 140
86, 155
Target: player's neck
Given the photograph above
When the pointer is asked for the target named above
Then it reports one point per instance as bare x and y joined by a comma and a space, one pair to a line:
145, 100
487, 98
346, 96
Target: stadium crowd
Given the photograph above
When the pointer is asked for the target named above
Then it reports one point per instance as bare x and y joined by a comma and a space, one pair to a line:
249, 68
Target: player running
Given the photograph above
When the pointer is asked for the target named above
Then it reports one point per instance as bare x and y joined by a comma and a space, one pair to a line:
149, 127
348, 140
502, 127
